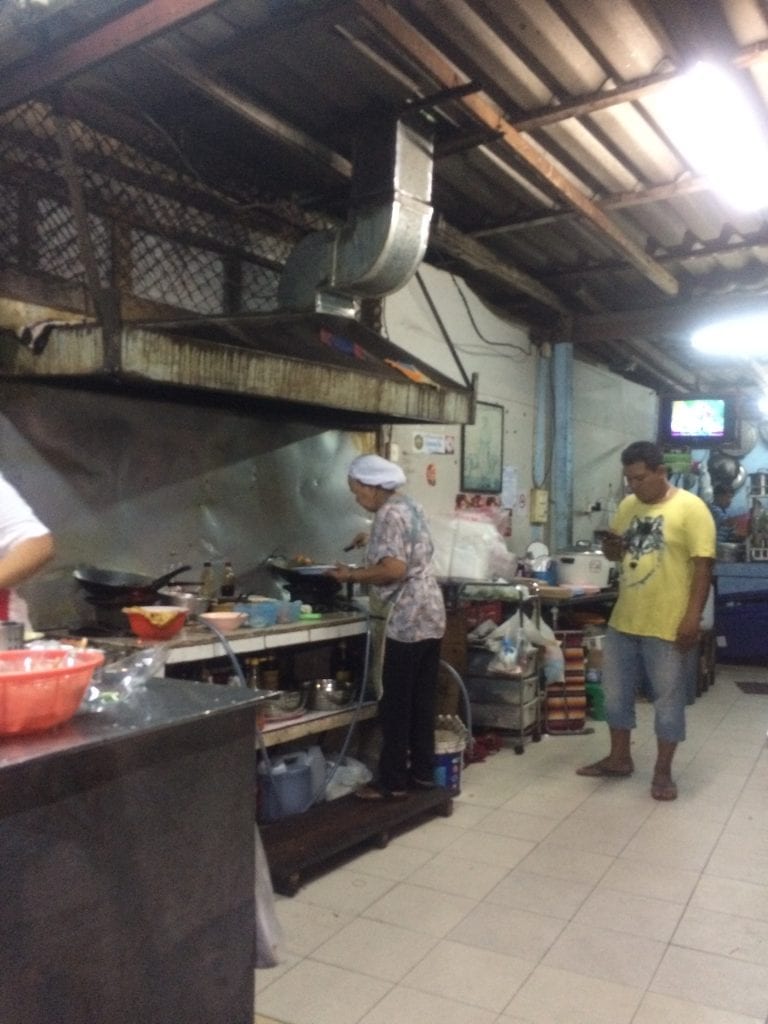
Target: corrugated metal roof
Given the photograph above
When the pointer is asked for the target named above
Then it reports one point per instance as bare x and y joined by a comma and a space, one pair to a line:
557, 193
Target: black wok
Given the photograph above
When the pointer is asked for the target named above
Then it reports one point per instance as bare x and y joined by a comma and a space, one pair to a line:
309, 588
112, 586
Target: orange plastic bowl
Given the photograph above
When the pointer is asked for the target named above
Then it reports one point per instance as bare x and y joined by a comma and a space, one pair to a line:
140, 619
43, 688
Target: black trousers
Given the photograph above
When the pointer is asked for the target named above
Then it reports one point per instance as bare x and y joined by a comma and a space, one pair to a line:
407, 712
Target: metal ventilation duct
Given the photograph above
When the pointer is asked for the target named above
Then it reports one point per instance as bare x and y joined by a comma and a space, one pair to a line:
385, 239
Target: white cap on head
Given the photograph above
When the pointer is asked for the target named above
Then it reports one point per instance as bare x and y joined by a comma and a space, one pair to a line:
376, 472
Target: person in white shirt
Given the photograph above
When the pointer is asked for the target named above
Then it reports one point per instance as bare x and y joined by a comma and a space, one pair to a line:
25, 546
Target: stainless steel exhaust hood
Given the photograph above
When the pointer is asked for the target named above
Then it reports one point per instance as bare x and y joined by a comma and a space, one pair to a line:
320, 362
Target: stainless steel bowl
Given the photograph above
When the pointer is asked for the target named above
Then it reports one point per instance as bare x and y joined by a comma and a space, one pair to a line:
328, 694
286, 702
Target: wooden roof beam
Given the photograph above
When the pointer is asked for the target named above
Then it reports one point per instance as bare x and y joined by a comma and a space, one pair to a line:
674, 320
55, 65
635, 90
447, 76
442, 236
619, 201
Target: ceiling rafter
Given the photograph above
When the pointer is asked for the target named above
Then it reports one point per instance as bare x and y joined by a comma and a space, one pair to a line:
444, 238
674, 320
618, 201
57, 64
679, 255
447, 76
603, 99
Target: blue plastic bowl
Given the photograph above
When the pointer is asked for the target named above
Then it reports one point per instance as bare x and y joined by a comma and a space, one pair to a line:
261, 614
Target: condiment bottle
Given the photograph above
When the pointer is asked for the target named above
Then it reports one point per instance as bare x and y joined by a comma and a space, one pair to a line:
341, 667
207, 582
269, 674
227, 588
254, 673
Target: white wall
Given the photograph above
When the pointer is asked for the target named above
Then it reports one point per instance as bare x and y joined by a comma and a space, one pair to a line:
504, 360
608, 412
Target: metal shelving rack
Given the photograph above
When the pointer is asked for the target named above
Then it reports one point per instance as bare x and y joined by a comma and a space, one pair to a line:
510, 703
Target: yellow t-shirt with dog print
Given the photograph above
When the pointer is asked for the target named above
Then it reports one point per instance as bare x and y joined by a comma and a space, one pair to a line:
656, 570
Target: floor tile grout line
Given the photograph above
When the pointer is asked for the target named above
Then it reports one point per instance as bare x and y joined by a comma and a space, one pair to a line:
700, 872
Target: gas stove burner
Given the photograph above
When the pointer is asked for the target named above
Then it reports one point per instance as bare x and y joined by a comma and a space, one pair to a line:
98, 630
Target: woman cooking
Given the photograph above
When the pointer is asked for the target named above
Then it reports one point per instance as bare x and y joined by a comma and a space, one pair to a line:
406, 596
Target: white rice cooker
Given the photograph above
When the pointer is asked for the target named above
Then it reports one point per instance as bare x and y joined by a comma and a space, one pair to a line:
583, 568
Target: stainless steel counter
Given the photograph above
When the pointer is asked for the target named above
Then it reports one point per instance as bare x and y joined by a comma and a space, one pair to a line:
127, 846
162, 704
197, 643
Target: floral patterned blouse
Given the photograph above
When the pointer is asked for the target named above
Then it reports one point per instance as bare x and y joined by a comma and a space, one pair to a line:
417, 610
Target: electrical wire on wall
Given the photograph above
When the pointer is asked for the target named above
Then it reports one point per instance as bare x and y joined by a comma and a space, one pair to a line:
525, 351
439, 321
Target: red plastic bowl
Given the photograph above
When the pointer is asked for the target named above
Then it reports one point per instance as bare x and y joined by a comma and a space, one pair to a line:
43, 688
142, 626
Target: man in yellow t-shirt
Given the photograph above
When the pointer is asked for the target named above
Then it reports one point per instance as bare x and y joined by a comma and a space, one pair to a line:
664, 540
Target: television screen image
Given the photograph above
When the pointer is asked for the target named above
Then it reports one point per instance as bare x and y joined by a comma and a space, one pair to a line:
698, 417
698, 421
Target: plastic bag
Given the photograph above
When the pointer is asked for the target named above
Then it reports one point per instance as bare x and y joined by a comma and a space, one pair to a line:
553, 663
540, 635
510, 658
345, 776
469, 549
118, 680
268, 931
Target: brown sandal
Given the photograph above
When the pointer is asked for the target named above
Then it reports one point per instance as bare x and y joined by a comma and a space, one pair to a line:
663, 789
603, 770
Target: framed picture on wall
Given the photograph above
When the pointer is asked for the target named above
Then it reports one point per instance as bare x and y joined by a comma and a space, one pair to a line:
482, 450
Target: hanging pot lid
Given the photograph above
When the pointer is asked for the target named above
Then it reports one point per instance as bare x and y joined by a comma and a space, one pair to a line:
722, 467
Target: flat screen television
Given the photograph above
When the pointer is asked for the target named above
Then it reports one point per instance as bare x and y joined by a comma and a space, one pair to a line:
697, 421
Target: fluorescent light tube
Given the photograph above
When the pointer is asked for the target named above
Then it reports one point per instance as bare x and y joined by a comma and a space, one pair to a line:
708, 116
745, 336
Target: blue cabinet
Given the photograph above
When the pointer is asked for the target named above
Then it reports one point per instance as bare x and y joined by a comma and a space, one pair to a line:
741, 611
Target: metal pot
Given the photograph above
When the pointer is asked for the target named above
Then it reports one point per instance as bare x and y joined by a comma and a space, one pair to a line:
328, 694
11, 635
728, 551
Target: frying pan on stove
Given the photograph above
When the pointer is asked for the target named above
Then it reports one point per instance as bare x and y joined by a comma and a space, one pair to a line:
308, 584
112, 586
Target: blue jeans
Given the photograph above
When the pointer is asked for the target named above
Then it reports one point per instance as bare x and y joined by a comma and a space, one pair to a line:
657, 668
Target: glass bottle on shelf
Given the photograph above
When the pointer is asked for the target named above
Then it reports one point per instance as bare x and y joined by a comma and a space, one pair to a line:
227, 588
341, 666
207, 582
269, 674
253, 673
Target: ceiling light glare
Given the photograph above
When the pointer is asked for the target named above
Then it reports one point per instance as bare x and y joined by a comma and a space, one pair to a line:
708, 116
762, 405
745, 337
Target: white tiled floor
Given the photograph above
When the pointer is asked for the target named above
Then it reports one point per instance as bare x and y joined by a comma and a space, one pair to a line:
549, 898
